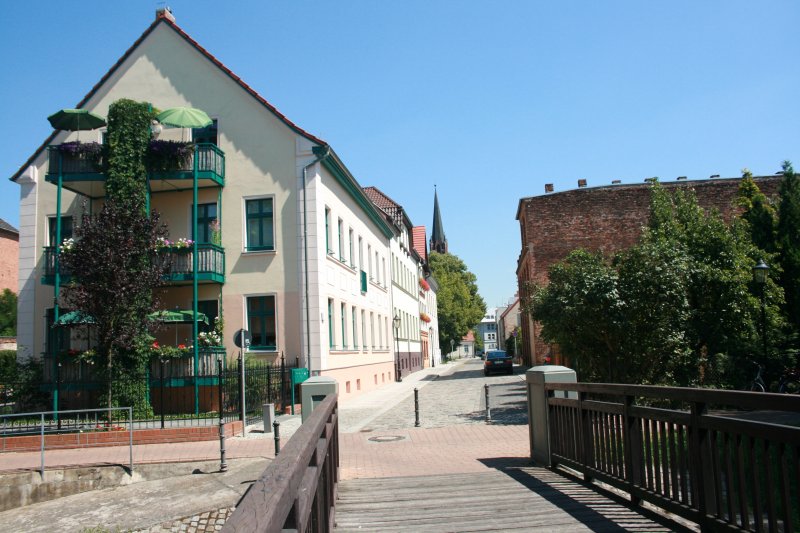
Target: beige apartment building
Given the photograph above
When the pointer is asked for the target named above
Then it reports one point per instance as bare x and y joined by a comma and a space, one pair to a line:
288, 245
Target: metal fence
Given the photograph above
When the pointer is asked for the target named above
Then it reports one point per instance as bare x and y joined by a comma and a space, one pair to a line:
86, 422
174, 396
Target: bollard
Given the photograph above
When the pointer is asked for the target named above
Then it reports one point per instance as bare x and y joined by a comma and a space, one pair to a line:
488, 409
276, 428
416, 407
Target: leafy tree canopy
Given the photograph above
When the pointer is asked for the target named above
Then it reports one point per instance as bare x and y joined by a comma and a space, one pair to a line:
679, 308
460, 306
8, 313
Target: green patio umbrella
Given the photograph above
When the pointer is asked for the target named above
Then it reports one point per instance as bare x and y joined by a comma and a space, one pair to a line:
177, 316
76, 120
74, 318
184, 117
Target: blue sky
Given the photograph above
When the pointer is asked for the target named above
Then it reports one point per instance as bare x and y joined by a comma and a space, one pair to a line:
488, 100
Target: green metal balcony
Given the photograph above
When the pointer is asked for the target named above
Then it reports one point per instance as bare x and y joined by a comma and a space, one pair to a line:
83, 173
210, 265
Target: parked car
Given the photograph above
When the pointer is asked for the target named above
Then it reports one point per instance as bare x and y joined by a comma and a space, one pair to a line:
498, 361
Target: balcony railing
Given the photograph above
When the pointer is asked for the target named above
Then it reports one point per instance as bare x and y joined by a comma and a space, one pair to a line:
210, 264
210, 165
81, 167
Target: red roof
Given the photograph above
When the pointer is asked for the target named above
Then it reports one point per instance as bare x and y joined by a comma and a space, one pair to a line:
469, 337
385, 204
419, 242
161, 18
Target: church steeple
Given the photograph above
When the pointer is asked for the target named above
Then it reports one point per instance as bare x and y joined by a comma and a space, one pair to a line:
438, 240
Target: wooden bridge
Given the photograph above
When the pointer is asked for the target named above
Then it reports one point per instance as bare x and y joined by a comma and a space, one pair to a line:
613, 461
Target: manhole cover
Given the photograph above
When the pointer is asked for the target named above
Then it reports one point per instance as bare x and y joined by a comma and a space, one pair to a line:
386, 438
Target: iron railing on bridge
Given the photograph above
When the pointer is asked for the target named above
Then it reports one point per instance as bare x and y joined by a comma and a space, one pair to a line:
726, 460
298, 491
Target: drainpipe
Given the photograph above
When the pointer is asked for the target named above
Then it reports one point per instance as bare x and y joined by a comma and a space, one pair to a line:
323, 153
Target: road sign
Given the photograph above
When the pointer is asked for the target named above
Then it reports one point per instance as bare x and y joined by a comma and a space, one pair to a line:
242, 338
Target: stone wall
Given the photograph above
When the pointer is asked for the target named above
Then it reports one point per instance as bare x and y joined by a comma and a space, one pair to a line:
605, 219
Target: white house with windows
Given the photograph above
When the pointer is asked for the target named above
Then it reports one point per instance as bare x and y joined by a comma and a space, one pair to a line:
487, 330
413, 299
289, 246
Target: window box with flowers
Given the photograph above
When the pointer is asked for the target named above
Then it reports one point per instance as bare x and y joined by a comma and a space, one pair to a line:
169, 156
424, 284
424, 317
78, 158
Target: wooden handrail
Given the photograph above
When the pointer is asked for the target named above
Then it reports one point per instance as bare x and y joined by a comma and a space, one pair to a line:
728, 469
297, 491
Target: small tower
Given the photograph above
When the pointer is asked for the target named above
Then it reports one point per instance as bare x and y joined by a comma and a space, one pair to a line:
438, 240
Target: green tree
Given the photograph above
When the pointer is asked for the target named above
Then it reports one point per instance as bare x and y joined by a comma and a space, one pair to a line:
679, 308
788, 236
8, 313
115, 264
478, 339
759, 213
460, 306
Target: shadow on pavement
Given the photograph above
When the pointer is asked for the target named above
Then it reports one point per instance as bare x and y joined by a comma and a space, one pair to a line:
570, 496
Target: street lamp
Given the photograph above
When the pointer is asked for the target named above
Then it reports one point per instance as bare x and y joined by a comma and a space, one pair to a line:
396, 322
760, 272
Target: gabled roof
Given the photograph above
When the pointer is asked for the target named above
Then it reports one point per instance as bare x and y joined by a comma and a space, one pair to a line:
419, 242
163, 19
5, 226
392, 209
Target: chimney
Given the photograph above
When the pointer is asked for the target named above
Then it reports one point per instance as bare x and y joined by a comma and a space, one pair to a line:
681, 178
582, 183
165, 12
548, 187
616, 182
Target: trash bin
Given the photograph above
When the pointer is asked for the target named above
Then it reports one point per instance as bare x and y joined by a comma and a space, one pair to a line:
314, 390
539, 434
269, 416
299, 375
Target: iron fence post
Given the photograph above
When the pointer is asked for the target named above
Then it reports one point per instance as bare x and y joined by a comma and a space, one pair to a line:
58, 390
416, 407
276, 429
42, 446
283, 382
223, 466
130, 441
269, 383
161, 392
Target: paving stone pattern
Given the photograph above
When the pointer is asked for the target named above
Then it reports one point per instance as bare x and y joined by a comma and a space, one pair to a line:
459, 398
199, 523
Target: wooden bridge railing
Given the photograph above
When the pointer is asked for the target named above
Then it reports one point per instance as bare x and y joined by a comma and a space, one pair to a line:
727, 460
297, 492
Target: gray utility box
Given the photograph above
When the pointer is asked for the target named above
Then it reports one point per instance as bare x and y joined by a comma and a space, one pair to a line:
313, 391
269, 416
536, 379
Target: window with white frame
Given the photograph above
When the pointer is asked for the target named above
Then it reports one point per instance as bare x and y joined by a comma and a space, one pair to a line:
331, 341
355, 327
343, 314
328, 249
261, 322
352, 248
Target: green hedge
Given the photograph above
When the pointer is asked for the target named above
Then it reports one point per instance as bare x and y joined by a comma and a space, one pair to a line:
8, 364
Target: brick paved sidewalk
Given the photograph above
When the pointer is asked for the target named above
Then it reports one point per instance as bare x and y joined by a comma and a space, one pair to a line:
429, 451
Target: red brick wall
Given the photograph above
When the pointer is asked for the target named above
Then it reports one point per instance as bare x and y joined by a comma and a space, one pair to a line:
118, 438
9, 261
605, 219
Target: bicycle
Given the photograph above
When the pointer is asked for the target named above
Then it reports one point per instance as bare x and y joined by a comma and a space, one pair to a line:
790, 381
758, 384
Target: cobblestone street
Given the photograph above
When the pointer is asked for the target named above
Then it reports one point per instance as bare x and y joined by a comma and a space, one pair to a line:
459, 398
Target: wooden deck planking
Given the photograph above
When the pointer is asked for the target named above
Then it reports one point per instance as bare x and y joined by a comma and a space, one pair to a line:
512, 499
